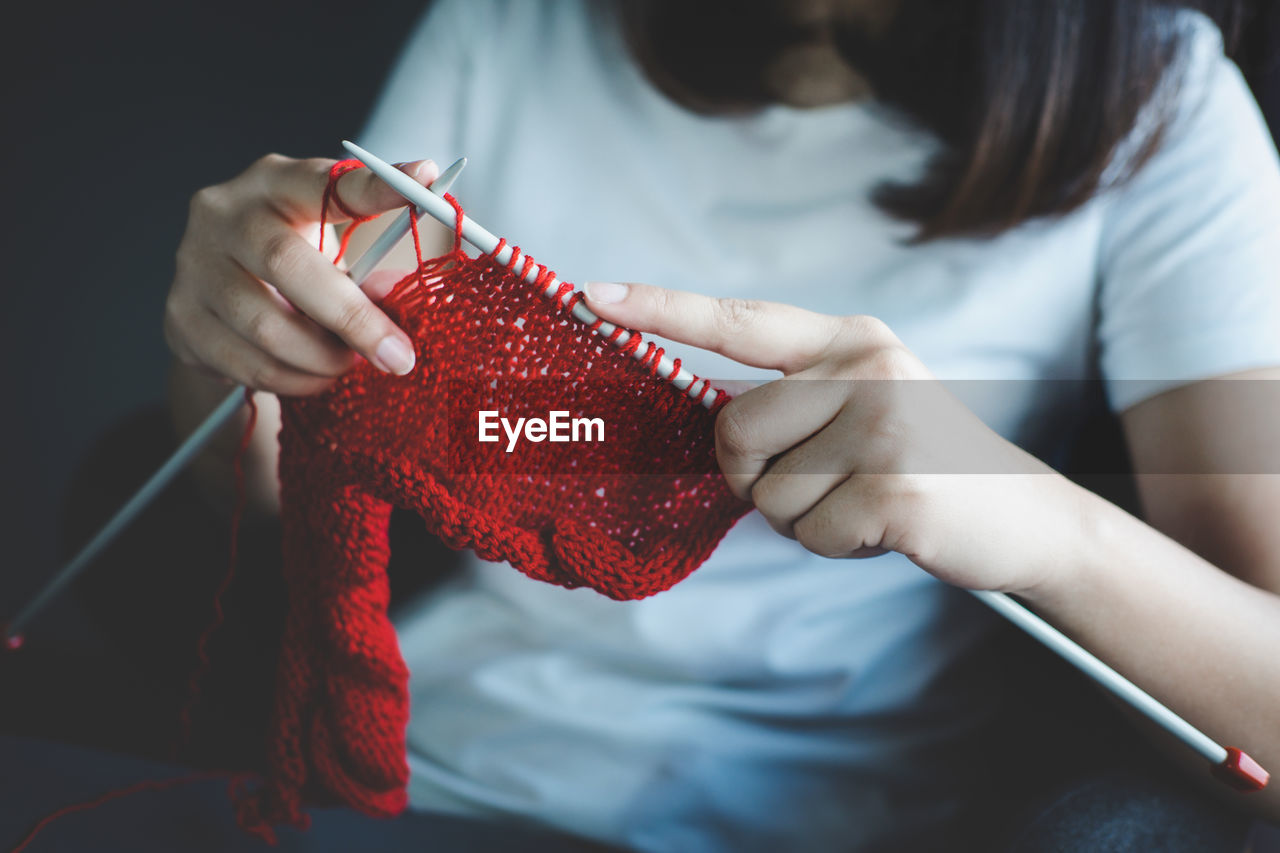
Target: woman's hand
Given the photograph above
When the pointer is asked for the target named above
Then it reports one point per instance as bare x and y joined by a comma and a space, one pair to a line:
859, 450
253, 300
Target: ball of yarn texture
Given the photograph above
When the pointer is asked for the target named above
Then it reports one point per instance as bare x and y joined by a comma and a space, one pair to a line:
629, 509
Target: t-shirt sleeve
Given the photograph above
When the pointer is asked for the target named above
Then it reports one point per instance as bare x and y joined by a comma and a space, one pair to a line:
1190, 251
422, 110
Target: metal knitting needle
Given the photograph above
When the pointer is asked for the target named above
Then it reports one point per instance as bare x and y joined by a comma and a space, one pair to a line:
1234, 766
400, 226
486, 242
1113, 681
195, 442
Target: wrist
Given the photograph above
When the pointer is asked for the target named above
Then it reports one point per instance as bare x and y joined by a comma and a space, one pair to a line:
192, 395
1085, 530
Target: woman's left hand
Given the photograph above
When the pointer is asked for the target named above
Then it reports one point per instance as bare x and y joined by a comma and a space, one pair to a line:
859, 450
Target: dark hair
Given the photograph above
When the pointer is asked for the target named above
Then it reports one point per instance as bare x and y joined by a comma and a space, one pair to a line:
1030, 98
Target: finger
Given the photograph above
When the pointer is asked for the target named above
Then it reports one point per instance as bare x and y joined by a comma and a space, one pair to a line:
265, 319
279, 256
798, 480
767, 421
217, 346
754, 332
174, 328
380, 282
295, 188
849, 522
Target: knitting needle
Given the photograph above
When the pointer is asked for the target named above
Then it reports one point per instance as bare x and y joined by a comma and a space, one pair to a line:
1230, 764
10, 635
400, 226
486, 242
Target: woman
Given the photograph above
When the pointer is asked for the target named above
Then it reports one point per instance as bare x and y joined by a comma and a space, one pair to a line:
848, 192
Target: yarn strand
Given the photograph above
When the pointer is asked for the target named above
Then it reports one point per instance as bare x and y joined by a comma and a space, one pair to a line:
196, 680
115, 794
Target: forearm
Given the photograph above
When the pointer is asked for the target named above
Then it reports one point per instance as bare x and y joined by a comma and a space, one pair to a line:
1198, 639
193, 394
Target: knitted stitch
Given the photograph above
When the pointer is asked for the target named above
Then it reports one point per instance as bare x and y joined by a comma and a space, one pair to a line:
628, 516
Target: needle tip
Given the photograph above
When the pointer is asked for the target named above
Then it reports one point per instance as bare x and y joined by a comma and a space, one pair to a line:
9, 642
1242, 772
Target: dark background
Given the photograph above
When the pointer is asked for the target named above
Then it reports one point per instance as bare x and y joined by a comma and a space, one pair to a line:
114, 114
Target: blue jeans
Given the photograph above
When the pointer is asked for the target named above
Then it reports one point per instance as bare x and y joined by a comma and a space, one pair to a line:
1123, 811
1113, 813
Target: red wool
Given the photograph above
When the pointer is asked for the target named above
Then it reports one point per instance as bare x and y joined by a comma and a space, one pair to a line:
628, 516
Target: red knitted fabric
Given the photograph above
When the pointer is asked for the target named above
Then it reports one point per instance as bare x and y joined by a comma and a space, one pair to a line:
628, 516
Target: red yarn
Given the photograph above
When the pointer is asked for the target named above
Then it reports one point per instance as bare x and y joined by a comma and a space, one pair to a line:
237, 516
146, 785
628, 517
193, 691
331, 197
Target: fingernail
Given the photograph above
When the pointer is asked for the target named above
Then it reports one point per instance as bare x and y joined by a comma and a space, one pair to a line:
394, 355
605, 292
427, 169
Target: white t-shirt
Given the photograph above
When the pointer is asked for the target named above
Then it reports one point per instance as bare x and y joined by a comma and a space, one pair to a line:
776, 699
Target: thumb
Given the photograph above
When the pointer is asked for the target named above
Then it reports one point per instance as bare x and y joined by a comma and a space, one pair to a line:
364, 194
295, 187
380, 282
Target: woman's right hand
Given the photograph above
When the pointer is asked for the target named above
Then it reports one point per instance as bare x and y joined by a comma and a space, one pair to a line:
252, 298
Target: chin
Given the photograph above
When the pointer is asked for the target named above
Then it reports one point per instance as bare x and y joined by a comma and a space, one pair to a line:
813, 75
